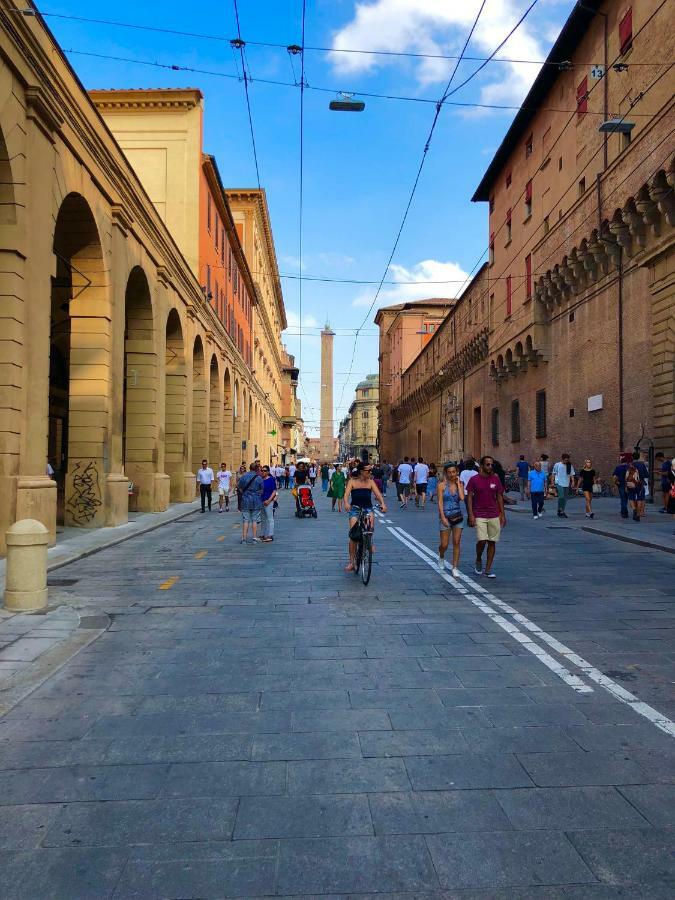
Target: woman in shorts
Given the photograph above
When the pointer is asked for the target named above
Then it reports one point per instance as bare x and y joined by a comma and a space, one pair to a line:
450, 493
358, 499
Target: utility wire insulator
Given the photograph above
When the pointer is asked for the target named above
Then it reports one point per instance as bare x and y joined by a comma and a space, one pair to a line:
294, 49
237, 43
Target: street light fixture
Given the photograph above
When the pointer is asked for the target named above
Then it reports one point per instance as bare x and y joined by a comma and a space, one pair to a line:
616, 126
344, 103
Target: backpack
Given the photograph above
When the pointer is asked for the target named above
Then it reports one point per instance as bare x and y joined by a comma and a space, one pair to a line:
633, 479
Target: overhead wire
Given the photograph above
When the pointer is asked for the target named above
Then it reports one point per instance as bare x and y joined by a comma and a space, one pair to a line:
439, 106
302, 173
245, 77
360, 51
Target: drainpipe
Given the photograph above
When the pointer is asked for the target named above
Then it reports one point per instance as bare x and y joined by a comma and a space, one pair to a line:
620, 360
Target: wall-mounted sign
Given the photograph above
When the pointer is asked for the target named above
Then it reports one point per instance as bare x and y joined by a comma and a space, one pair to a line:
595, 403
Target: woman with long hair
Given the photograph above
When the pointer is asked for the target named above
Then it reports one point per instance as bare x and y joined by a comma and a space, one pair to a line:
336, 491
588, 477
450, 493
358, 499
432, 482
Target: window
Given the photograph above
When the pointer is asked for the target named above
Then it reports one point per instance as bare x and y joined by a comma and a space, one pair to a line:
229, 263
560, 164
582, 187
366, 392
582, 98
508, 225
515, 421
235, 280
508, 179
546, 225
208, 212
217, 231
364, 414
626, 31
208, 280
528, 275
625, 139
541, 414
222, 247
494, 423
491, 255
529, 146
528, 199
508, 296
492, 204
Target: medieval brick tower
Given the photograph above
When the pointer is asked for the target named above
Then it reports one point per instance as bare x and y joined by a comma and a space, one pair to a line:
326, 425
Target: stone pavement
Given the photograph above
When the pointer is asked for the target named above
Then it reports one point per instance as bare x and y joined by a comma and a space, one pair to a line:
255, 722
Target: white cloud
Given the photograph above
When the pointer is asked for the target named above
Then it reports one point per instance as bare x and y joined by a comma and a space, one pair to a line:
441, 26
293, 319
429, 270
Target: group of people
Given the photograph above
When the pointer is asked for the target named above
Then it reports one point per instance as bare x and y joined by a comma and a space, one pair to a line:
256, 491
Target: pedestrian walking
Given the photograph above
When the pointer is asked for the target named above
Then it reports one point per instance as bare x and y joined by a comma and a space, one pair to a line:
432, 482
563, 476
336, 490
397, 484
536, 489
405, 477
637, 476
544, 464
250, 486
662, 468
450, 495
421, 479
312, 473
287, 477
205, 479
223, 479
588, 478
523, 468
269, 498
292, 470
324, 477
376, 474
670, 509
386, 476
485, 500
619, 476
241, 471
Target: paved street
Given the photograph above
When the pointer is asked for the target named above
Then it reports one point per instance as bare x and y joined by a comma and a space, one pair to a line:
256, 722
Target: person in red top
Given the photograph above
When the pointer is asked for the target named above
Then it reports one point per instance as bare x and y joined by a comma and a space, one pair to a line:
485, 502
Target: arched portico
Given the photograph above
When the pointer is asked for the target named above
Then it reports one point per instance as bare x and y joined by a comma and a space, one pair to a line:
175, 412
216, 455
199, 406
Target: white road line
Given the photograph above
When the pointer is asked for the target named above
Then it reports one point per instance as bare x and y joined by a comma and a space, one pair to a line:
576, 683
591, 672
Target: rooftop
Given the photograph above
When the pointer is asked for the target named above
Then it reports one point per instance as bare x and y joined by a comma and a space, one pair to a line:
430, 302
572, 31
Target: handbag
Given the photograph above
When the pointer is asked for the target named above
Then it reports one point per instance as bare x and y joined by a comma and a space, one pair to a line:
597, 488
455, 520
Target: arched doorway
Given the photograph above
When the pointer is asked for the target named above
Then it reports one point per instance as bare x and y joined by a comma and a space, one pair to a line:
216, 452
175, 436
79, 367
199, 433
139, 409
228, 422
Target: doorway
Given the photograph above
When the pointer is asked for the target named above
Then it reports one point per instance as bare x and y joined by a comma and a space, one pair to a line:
477, 433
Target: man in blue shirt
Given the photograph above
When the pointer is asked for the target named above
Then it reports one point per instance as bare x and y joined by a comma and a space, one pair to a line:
523, 469
251, 486
536, 489
620, 481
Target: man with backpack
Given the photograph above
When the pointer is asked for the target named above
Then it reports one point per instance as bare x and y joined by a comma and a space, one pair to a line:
637, 478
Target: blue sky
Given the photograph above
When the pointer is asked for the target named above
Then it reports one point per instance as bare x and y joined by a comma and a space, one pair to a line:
358, 168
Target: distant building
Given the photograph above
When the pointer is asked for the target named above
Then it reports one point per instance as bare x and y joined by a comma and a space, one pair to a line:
292, 428
363, 416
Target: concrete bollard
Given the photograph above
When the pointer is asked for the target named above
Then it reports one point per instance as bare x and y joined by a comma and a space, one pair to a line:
26, 578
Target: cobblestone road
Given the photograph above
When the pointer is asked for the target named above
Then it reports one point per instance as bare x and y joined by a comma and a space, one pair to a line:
255, 722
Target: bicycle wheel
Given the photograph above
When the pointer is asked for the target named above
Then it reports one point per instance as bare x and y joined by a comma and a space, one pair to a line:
366, 558
358, 556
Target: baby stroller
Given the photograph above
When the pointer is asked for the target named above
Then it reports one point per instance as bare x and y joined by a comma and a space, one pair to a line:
304, 502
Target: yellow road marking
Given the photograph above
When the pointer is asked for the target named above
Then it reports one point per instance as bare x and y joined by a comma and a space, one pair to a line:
169, 583
221, 537
201, 554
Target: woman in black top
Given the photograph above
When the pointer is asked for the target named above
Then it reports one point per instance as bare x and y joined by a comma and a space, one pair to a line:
358, 499
588, 477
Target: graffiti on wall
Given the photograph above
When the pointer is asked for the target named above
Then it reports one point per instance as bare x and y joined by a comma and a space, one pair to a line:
85, 500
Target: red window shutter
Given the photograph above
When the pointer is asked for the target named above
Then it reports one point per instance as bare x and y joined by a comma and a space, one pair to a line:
508, 295
528, 272
508, 216
528, 191
626, 31
582, 98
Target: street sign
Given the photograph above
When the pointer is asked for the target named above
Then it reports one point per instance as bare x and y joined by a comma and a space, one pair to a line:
597, 72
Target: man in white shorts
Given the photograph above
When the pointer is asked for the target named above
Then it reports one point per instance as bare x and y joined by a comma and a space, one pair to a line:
421, 477
405, 475
224, 479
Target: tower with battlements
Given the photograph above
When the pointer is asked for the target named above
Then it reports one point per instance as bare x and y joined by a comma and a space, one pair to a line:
326, 425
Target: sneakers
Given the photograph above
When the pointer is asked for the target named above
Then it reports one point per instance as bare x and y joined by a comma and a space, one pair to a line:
535, 517
490, 575
455, 572
477, 570
441, 564
220, 509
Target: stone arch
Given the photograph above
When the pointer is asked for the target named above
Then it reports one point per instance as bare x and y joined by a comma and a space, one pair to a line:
80, 367
216, 452
237, 430
199, 411
175, 408
139, 398
228, 423
7, 192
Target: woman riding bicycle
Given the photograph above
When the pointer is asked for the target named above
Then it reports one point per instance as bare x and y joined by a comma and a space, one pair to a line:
358, 499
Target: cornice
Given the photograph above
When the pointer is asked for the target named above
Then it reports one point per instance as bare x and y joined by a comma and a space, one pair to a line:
42, 110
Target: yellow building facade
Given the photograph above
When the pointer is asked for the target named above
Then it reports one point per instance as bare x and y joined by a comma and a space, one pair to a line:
101, 315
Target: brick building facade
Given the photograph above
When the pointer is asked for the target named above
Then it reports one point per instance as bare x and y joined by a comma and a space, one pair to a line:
565, 338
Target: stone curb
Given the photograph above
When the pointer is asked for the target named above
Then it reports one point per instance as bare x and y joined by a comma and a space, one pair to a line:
91, 626
628, 540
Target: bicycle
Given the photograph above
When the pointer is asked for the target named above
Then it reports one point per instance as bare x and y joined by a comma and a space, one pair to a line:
363, 557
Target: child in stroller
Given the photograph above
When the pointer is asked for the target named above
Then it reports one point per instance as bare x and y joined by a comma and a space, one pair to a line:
304, 502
